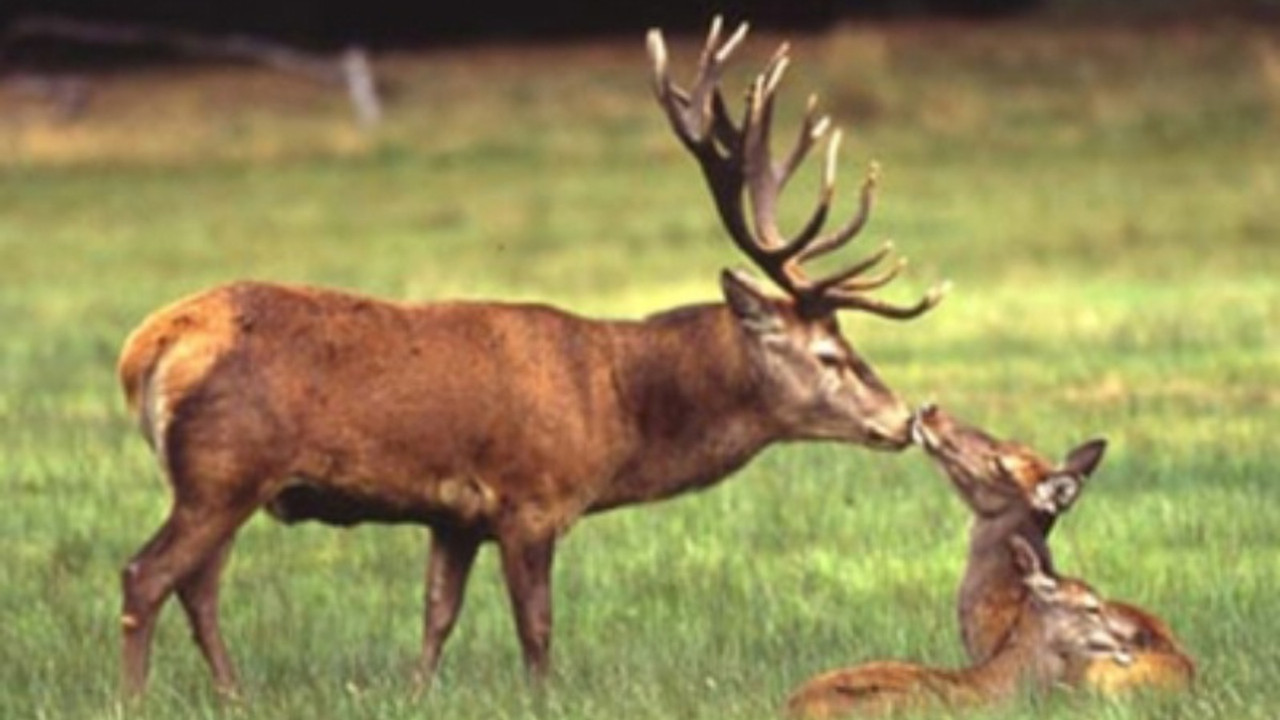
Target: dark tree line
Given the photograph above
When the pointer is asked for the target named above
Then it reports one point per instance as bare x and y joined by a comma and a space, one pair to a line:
397, 23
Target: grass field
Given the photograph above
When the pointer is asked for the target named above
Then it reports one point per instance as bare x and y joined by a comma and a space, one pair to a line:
1105, 201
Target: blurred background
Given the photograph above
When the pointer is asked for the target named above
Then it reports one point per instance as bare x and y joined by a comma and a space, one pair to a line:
1099, 179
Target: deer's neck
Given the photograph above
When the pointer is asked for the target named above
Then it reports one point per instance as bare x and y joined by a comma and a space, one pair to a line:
992, 598
691, 400
1022, 660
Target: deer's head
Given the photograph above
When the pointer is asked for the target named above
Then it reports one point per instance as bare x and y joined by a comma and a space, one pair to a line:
993, 474
819, 386
1074, 626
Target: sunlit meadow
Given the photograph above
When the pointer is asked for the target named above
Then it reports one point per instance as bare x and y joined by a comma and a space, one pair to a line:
1104, 200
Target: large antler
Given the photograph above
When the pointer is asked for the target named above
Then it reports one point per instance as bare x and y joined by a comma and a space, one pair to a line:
737, 163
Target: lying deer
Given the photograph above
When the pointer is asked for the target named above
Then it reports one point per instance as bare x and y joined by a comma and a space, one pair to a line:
1061, 632
1015, 492
489, 421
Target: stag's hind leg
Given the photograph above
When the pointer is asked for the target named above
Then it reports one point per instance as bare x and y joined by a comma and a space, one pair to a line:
188, 542
198, 593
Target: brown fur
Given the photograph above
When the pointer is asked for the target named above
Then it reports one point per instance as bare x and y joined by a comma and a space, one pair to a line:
485, 421
491, 421
1000, 480
1051, 643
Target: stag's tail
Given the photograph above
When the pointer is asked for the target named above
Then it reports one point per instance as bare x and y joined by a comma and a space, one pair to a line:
144, 352
136, 369
170, 352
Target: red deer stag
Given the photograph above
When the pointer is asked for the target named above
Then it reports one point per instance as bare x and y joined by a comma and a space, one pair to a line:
1013, 491
1061, 631
496, 421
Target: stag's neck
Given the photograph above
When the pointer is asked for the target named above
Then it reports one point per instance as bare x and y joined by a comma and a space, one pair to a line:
992, 596
692, 403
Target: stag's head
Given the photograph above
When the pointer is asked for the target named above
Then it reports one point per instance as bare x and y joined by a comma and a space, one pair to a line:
994, 475
819, 386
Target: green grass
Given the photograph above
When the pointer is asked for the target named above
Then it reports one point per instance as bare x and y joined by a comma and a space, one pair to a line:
1103, 199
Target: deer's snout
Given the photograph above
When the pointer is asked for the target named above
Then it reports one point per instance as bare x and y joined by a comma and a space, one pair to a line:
921, 425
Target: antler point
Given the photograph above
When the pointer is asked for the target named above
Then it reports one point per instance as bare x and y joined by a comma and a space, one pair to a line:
820, 127
657, 47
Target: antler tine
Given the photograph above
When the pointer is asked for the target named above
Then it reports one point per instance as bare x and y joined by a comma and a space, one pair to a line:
847, 279
702, 123
705, 96
855, 284
713, 38
812, 129
737, 163
857, 301
672, 100
694, 114
866, 199
844, 289
764, 181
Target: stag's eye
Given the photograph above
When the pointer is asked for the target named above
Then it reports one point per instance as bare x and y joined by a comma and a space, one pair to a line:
828, 354
831, 362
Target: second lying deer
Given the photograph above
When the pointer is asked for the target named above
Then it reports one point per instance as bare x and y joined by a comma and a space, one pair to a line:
1014, 491
1061, 633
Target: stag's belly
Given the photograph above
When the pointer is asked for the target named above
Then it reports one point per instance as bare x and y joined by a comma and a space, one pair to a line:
463, 501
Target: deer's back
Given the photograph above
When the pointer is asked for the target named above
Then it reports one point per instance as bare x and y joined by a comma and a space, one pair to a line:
878, 688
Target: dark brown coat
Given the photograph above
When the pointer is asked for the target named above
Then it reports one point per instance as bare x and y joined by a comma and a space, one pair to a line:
482, 420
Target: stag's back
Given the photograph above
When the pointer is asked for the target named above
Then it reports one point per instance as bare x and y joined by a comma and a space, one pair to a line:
351, 393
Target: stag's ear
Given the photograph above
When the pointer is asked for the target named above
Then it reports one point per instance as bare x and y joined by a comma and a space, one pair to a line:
750, 304
1083, 460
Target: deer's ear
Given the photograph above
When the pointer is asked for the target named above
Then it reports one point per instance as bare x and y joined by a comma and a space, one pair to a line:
749, 303
1083, 460
1057, 493
1028, 562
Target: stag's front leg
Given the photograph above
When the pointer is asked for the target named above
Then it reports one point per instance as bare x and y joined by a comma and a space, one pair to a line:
452, 555
526, 564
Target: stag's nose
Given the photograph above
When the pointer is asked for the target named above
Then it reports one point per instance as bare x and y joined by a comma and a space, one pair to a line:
894, 431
